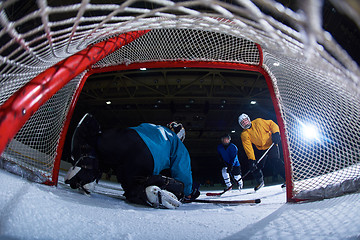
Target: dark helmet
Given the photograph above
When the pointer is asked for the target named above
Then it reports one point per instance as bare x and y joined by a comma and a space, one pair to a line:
226, 136
223, 137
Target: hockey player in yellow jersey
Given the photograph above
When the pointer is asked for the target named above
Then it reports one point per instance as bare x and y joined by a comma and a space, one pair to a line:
257, 136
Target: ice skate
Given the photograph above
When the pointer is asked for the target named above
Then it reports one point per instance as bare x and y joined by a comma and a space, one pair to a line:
259, 186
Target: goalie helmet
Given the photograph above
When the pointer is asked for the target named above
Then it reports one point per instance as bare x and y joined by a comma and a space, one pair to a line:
244, 121
178, 129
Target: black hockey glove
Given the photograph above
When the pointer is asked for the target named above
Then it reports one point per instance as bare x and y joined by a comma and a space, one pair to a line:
195, 193
253, 165
276, 138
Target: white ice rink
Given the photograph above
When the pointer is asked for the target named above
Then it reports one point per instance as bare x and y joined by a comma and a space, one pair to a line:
34, 211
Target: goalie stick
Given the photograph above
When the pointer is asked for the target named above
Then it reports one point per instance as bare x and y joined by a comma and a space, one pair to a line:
242, 177
228, 202
223, 202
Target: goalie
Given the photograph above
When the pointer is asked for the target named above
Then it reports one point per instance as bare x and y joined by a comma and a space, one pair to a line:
137, 155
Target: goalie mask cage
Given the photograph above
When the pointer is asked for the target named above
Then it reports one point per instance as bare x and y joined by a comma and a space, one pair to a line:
50, 49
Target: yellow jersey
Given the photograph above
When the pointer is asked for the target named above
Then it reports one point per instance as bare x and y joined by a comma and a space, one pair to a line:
259, 134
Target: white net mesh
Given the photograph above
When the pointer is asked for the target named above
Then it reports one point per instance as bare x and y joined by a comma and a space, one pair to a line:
184, 45
35, 145
315, 80
312, 97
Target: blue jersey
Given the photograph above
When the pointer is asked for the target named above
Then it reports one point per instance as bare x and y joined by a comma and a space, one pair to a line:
229, 154
168, 152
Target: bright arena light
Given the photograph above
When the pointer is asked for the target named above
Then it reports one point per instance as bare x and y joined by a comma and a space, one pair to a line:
310, 131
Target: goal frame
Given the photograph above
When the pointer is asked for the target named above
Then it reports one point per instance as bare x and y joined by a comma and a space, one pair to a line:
222, 65
27, 100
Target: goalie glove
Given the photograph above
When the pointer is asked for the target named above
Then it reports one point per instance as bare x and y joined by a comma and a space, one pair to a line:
195, 192
194, 195
158, 198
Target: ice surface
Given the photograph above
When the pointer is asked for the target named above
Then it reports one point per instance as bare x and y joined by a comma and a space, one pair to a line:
33, 211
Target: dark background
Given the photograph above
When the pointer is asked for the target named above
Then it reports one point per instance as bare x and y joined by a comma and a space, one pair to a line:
207, 102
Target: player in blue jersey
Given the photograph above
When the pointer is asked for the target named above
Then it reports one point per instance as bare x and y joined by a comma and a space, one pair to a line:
138, 156
228, 155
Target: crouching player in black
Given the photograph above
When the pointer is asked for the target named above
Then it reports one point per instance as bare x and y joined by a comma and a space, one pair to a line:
137, 155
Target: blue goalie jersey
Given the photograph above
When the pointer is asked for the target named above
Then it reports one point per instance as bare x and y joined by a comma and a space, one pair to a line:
168, 152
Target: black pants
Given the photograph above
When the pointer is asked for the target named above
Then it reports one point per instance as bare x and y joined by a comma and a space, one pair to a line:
273, 159
236, 170
124, 151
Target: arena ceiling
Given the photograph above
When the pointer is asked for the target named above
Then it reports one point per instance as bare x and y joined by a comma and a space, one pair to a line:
207, 101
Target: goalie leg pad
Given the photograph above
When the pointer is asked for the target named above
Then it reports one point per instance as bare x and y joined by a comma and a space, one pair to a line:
161, 198
166, 183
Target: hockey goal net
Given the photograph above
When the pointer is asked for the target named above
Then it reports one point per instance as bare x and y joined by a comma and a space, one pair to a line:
49, 48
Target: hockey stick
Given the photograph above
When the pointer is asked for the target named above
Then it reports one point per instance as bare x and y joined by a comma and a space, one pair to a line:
242, 177
258, 161
229, 202
225, 190
218, 193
